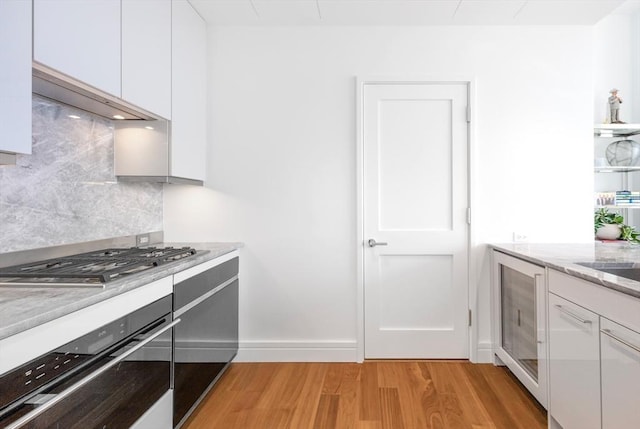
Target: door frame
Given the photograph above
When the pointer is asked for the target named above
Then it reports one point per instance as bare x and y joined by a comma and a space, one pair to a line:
472, 286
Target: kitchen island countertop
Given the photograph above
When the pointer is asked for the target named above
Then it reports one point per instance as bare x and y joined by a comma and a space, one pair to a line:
23, 308
563, 257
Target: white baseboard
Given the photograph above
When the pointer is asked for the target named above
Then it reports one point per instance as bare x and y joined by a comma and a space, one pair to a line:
484, 353
319, 351
296, 351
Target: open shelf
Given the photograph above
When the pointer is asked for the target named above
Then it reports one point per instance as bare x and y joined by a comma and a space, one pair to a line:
616, 130
619, 207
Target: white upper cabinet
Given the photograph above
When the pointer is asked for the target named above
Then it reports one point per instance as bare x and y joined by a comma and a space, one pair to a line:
146, 55
15, 76
189, 82
80, 38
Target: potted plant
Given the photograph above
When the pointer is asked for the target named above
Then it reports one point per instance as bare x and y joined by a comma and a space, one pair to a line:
611, 226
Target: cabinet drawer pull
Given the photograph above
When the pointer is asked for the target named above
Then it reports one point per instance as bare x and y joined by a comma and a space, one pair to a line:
608, 333
570, 314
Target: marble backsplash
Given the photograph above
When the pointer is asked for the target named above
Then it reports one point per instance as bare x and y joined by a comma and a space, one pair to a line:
66, 191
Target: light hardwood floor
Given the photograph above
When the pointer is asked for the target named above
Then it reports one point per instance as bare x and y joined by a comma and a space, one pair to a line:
372, 395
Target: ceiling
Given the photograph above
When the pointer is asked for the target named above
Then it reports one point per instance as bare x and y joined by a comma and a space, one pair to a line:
407, 12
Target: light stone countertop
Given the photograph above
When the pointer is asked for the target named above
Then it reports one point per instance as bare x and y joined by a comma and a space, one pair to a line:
563, 257
23, 308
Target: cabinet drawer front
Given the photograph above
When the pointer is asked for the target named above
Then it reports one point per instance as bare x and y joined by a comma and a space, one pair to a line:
574, 367
602, 300
620, 368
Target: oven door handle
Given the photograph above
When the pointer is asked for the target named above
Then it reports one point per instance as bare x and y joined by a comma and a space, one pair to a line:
60, 396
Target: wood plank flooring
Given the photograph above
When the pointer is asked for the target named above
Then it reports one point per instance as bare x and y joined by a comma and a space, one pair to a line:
372, 395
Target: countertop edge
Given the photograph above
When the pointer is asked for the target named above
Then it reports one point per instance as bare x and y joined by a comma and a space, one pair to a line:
87, 297
610, 281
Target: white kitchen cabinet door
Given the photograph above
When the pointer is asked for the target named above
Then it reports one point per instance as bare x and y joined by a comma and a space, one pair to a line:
80, 38
15, 76
574, 365
620, 372
189, 92
146, 55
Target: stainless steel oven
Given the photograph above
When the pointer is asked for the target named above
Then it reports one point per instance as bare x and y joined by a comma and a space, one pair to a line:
118, 376
206, 300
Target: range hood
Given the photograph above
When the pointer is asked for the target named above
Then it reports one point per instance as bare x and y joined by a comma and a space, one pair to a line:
143, 153
142, 139
64, 89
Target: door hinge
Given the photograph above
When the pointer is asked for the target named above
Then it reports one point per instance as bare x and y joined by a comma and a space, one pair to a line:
470, 317
469, 215
468, 114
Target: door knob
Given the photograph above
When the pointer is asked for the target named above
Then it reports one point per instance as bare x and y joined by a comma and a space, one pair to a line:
374, 243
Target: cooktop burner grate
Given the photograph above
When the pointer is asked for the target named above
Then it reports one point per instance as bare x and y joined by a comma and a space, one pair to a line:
97, 267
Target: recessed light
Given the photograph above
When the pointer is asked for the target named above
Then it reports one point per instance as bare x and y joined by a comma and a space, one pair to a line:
74, 116
118, 117
148, 127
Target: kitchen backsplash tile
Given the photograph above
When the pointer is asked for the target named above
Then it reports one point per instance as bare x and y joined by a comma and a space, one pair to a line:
66, 191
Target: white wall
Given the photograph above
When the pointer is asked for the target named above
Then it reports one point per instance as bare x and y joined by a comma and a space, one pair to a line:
282, 160
617, 63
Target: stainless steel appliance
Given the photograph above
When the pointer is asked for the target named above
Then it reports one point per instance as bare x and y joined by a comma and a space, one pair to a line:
206, 300
142, 139
50, 83
91, 269
118, 376
520, 329
143, 153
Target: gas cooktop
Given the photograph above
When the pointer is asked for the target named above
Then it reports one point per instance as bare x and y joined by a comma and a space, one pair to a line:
91, 269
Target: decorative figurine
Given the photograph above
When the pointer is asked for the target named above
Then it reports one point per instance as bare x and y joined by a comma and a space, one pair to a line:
614, 107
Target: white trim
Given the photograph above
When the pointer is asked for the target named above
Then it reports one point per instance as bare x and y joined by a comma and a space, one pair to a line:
296, 351
476, 352
484, 353
472, 287
359, 219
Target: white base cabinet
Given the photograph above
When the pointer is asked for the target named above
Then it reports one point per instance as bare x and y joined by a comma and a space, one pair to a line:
620, 372
574, 365
594, 355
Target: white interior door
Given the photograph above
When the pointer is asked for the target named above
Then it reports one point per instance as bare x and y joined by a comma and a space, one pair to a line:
415, 200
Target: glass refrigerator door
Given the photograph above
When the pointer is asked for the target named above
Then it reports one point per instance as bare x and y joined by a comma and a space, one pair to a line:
519, 321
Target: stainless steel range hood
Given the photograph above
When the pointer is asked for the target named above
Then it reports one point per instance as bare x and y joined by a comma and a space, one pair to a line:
64, 89
142, 139
143, 153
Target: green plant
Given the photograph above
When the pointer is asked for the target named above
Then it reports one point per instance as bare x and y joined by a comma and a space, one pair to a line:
604, 217
629, 233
